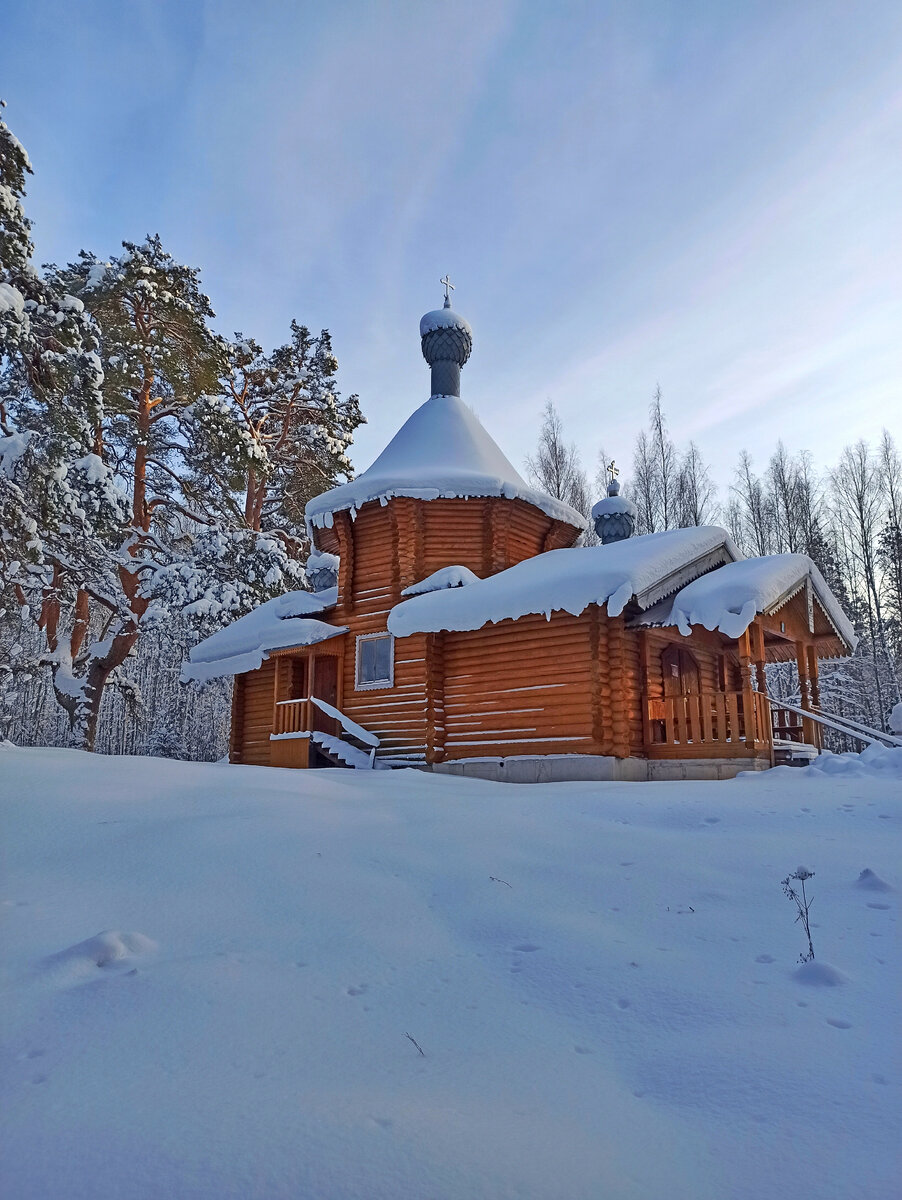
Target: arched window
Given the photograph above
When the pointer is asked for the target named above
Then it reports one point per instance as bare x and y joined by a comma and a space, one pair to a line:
680, 671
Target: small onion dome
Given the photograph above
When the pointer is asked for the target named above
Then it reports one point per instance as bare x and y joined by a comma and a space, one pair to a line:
322, 570
445, 336
614, 516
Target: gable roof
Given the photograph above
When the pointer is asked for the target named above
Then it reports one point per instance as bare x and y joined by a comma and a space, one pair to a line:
645, 568
289, 620
730, 598
442, 450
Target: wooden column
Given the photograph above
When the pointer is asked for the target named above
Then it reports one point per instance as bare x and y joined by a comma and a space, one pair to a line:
808, 726
815, 687
749, 709
760, 656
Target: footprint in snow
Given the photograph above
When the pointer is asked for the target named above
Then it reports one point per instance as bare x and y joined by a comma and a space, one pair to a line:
839, 1024
526, 948
765, 958
356, 991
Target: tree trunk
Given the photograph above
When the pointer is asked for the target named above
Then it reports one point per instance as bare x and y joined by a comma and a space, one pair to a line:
83, 705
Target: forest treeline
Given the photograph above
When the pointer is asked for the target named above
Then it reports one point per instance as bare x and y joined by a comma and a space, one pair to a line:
153, 478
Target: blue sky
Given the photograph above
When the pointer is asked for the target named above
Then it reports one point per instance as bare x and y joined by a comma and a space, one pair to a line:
702, 195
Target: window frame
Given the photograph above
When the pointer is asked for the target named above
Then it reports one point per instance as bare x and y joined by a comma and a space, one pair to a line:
378, 683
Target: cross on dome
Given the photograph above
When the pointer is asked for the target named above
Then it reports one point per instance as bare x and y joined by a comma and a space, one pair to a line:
449, 288
613, 471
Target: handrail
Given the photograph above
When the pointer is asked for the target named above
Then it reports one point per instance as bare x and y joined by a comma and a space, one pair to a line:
350, 727
873, 737
895, 741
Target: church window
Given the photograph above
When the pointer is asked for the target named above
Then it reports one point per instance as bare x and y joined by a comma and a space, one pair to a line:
375, 661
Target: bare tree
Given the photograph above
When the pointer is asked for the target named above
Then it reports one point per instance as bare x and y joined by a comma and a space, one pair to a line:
751, 510
666, 464
858, 490
555, 467
696, 494
643, 487
889, 548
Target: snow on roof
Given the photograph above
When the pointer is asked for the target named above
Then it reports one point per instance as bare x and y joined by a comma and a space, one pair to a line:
246, 644
730, 598
443, 318
447, 577
570, 580
614, 504
442, 450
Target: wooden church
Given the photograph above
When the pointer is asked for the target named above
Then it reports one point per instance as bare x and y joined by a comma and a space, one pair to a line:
455, 623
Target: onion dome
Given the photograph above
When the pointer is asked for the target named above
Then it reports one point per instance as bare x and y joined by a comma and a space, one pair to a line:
447, 340
614, 516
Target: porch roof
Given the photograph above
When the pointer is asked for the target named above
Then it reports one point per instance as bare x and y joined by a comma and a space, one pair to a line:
730, 598
286, 621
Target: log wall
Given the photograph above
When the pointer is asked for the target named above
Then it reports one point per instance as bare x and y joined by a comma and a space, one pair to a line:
251, 730
386, 548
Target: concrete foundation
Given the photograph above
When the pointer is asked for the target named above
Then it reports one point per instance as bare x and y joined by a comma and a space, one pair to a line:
568, 768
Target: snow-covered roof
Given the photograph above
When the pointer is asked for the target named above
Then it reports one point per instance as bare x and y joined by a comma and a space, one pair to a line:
646, 568
443, 318
613, 504
245, 645
730, 598
442, 450
447, 577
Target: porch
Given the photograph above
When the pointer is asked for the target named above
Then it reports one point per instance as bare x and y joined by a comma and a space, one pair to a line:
310, 732
734, 718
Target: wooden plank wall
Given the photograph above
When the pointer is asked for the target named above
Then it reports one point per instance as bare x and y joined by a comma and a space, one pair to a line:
519, 687
384, 549
397, 715
255, 692
381, 546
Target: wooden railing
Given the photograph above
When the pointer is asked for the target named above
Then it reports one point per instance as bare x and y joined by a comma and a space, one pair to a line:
291, 716
725, 723
314, 715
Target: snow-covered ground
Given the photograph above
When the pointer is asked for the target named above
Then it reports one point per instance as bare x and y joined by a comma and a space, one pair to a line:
216, 979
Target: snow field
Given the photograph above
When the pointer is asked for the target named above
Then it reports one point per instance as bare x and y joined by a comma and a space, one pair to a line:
209, 973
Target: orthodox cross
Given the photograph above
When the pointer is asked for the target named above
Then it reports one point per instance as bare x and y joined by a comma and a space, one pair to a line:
449, 288
613, 471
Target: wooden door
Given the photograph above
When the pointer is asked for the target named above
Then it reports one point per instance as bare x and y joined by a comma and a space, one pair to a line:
325, 687
680, 671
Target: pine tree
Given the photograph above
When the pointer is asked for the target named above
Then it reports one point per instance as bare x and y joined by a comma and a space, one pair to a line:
297, 427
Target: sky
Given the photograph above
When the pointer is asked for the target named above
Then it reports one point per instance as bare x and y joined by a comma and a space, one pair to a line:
705, 196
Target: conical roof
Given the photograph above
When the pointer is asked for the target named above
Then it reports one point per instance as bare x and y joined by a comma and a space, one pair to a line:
442, 450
